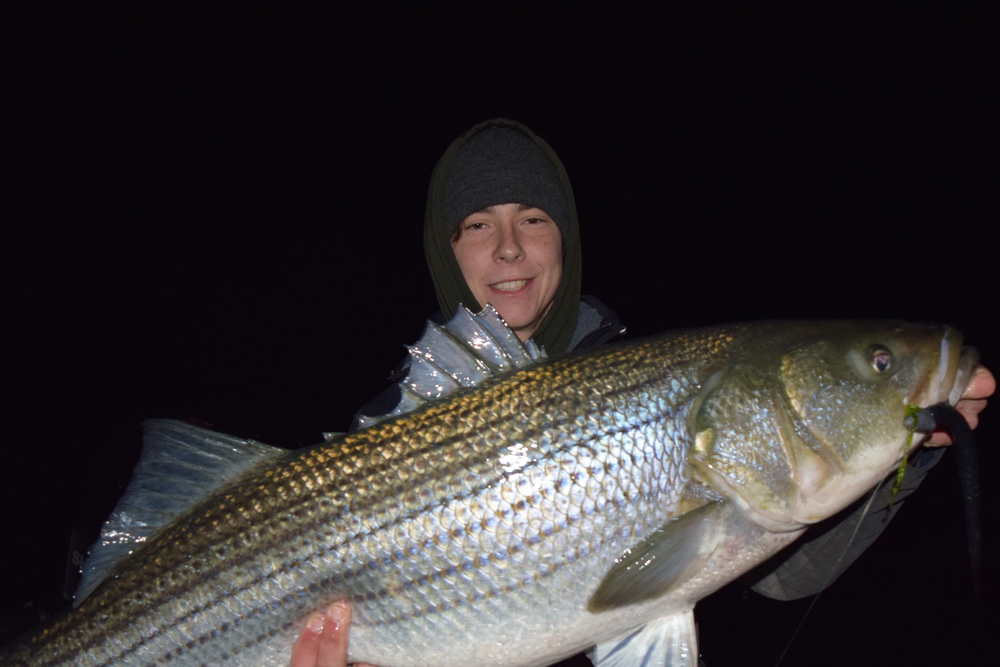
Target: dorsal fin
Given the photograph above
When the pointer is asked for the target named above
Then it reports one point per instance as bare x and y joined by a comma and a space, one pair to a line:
180, 465
468, 349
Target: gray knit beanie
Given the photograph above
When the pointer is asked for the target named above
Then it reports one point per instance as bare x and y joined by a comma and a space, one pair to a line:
501, 165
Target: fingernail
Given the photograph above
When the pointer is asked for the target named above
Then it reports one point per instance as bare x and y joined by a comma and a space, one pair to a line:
315, 623
338, 612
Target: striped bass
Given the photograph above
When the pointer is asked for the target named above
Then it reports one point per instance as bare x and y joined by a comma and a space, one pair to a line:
517, 511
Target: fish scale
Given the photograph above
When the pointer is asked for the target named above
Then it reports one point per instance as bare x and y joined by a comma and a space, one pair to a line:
532, 513
467, 531
479, 522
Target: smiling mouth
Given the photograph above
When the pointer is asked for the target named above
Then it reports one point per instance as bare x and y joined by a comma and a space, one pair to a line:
510, 285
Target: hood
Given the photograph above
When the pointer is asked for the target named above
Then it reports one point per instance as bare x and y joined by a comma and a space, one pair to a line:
556, 330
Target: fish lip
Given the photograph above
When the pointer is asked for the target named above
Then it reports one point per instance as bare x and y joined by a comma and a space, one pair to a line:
968, 362
956, 363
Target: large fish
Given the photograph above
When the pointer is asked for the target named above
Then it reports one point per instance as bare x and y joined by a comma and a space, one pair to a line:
521, 511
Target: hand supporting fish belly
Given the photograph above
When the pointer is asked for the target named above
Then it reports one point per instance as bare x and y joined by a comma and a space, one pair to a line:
323, 642
524, 509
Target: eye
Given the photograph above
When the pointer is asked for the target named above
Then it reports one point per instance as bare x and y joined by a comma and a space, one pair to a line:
880, 358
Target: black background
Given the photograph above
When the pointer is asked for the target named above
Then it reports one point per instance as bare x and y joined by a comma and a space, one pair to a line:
219, 217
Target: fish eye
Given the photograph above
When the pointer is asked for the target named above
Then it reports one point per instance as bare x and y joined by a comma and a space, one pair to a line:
879, 358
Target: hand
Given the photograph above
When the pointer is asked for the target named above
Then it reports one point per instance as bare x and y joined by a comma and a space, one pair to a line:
981, 386
323, 642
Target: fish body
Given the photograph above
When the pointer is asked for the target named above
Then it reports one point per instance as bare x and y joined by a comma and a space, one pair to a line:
546, 510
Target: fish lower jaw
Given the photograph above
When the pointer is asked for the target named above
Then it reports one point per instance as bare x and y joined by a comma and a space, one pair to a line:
813, 501
814, 505
817, 497
817, 504
771, 521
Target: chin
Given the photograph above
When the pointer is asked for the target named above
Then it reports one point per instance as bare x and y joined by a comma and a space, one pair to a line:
515, 325
516, 315
514, 320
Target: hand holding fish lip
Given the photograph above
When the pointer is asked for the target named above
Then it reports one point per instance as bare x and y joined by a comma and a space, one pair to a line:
981, 386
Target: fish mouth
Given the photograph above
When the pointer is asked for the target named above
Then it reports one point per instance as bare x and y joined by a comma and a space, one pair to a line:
956, 364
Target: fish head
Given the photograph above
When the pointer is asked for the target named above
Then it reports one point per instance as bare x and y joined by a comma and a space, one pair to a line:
849, 393
812, 415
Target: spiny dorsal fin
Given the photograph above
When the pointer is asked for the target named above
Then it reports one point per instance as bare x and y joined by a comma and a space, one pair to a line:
462, 353
180, 465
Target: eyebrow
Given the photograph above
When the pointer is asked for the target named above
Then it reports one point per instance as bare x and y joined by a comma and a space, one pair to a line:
490, 209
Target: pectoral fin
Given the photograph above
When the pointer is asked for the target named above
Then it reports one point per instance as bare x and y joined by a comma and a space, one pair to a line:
670, 641
665, 559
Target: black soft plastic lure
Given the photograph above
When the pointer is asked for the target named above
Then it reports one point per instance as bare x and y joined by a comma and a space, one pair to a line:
943, 415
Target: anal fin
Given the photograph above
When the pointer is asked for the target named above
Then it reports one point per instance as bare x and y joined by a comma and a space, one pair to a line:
669, 641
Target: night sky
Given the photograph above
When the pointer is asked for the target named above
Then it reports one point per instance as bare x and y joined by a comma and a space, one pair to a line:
220, 218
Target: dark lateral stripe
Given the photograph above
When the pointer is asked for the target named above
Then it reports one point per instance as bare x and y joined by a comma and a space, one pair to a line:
234, 562
482, 561
246, 556
337, 580
330, 582
581, 551
279, 536
361, 473
275, 605
642, 384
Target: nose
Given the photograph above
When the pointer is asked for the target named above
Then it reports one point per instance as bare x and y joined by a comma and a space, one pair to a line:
508, 247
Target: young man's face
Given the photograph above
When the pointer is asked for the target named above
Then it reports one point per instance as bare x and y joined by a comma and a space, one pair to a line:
511, 257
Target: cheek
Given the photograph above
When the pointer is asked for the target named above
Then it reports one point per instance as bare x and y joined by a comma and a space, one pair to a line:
469, 260
552, 260
473, 271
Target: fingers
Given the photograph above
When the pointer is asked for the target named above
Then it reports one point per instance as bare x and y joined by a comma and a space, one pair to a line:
333, 645
938, 439
970, 409
323, 641
981, 386
306, 649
